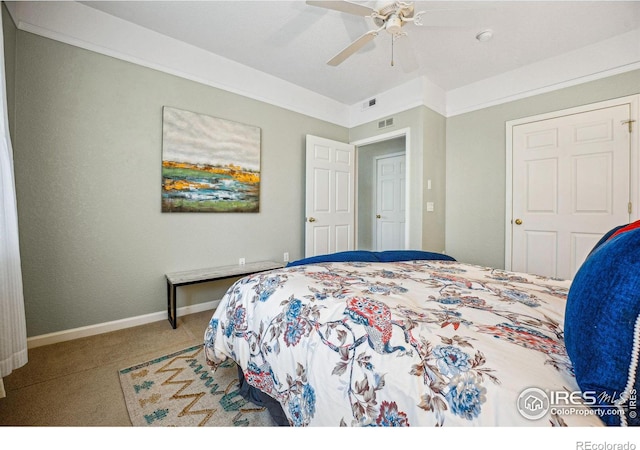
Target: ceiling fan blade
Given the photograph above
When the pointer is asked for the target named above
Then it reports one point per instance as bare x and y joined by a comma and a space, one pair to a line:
353, 47
466, 16
343, 6
405, 53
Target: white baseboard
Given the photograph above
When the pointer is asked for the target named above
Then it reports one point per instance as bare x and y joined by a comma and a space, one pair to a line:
92, 330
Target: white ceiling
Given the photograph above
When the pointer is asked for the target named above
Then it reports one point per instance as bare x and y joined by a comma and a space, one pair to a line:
292, 40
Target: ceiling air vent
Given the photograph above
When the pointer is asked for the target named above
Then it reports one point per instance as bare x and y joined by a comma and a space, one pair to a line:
368, 104
385, 123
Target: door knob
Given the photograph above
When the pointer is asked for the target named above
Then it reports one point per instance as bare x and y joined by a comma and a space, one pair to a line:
378, 216
518, 222
311, 219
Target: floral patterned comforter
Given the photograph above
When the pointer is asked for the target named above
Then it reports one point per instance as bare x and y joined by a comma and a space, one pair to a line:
414, 343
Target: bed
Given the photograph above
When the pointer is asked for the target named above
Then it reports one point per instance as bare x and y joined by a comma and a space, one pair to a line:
406, 339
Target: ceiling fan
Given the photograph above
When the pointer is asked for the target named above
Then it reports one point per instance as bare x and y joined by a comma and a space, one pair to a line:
390, 18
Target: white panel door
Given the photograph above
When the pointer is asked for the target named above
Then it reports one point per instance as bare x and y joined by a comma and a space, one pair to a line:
330, 201
571, 184
390, 202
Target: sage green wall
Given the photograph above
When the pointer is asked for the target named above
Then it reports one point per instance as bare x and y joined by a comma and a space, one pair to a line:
434, 162
425, 160
9, 31
88, 149
476, 165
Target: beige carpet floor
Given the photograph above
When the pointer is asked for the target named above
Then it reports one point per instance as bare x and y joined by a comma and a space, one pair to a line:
75, 383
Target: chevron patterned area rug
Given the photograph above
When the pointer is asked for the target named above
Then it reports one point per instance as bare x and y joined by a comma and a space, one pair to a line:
179, 390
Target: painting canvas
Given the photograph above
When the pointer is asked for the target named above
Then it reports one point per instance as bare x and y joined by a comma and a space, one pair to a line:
209, 164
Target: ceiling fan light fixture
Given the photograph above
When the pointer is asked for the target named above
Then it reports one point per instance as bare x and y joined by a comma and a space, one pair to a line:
393, 24
484, 36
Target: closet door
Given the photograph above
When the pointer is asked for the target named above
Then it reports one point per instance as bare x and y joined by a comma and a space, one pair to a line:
571, 184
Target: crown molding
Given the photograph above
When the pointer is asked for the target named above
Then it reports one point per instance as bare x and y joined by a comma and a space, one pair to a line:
604, 59
85, 27
418, 92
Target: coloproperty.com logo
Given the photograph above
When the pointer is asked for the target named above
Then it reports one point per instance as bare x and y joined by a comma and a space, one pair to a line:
534, 403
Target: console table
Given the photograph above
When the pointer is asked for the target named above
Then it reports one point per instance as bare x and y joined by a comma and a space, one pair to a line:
176, 279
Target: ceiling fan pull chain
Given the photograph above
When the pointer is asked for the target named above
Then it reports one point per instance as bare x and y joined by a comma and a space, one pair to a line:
392, 41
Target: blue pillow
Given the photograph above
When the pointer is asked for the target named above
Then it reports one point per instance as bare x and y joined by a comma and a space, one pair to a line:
411, 255
605, 238
602, 326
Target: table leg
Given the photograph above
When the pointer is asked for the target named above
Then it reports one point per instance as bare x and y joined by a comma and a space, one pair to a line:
171, 304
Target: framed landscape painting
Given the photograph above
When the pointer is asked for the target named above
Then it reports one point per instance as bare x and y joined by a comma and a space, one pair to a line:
209, 164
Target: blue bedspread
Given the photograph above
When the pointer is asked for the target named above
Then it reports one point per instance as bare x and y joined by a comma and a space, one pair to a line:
369, 256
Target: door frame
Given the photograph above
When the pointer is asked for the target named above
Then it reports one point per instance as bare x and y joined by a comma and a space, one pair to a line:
634, 184
375, 193
406, 132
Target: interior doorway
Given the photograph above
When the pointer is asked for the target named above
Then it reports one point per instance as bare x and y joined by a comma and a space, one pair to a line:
368, 195
390, 202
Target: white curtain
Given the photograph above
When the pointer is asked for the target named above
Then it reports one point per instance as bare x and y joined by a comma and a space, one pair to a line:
13, 328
